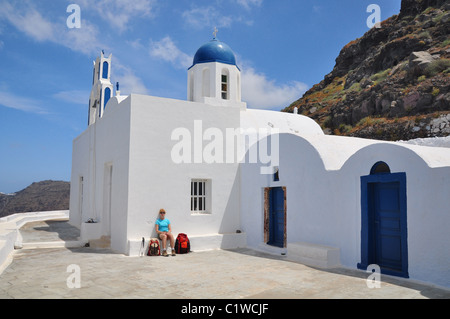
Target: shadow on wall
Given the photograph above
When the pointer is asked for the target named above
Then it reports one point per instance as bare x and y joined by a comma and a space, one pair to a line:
226, 224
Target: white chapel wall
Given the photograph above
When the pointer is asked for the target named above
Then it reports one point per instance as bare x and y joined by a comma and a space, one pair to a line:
156, 181
104, 143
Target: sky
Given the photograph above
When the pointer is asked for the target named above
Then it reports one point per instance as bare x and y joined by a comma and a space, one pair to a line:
282, 47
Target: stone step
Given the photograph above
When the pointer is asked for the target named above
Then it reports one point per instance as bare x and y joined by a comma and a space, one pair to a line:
314, 254
51, 244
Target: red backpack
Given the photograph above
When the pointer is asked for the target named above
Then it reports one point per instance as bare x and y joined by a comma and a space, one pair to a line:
182, 244
153, 247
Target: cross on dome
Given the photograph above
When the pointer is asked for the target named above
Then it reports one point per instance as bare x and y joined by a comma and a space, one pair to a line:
215, 32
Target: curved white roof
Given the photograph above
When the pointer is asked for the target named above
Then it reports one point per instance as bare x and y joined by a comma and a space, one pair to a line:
334, 151
284, 122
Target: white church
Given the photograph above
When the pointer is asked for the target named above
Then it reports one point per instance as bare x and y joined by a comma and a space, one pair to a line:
229, 177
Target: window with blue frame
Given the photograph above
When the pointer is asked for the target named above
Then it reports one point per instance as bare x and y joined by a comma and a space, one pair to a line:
107, 95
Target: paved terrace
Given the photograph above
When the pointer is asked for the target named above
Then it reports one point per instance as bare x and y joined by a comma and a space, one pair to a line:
41, 271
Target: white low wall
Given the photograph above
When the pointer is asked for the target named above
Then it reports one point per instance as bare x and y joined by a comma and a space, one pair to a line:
313, 255
198, 243
9, 230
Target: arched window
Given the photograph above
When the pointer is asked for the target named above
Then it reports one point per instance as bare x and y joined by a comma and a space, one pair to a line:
225, 85
380, 168
107, 95
105, 70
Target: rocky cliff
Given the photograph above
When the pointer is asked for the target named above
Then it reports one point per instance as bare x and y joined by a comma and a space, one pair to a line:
41, 196
392, 83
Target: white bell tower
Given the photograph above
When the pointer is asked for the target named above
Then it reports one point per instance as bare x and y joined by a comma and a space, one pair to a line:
102, 88
214, 77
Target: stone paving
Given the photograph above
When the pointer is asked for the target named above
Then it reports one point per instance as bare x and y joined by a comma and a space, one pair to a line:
217, 274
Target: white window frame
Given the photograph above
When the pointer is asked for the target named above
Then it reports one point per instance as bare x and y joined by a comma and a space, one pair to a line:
200, 196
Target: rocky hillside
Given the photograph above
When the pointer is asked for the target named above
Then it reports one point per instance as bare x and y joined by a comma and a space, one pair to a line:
392, 83
41, 196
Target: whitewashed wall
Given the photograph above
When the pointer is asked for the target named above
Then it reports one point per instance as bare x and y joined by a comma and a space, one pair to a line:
321, 174
428, 212
157, 182
324, 198
104, 143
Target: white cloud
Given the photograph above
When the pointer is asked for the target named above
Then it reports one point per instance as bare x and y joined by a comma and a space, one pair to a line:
262, 93
129, 82
84, 40
248, 3
12, 101
210, 17
166, 50
135, 44
31, 22
74, 97
206, 17
119, 13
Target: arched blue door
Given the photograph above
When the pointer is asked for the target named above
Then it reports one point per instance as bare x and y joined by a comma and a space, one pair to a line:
383, 223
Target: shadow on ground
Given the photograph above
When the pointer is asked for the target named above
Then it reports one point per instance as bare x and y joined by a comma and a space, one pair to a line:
61, 230
426, 290
47, 231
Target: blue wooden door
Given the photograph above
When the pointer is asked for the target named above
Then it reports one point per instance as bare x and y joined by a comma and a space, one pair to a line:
387, 243
276, 217
384, 235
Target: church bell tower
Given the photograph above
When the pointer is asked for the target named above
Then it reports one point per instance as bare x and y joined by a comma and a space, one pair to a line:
214, 77
102, 87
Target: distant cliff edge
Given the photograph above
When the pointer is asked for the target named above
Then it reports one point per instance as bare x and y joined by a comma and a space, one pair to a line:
40, 196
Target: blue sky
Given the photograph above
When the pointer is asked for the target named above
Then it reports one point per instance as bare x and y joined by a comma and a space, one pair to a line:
283, 47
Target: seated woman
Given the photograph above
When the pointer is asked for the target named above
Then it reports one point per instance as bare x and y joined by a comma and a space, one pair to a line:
164, 231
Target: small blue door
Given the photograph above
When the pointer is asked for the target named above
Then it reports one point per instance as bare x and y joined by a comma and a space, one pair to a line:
276, 217
384, 233
387, 226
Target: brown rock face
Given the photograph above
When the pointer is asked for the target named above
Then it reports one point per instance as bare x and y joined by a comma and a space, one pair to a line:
390, 79
41, 196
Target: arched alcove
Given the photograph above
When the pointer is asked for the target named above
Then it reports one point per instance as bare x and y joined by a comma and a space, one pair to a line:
380, 168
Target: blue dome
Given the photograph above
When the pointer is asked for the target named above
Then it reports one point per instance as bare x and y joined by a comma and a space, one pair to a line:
214, 51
